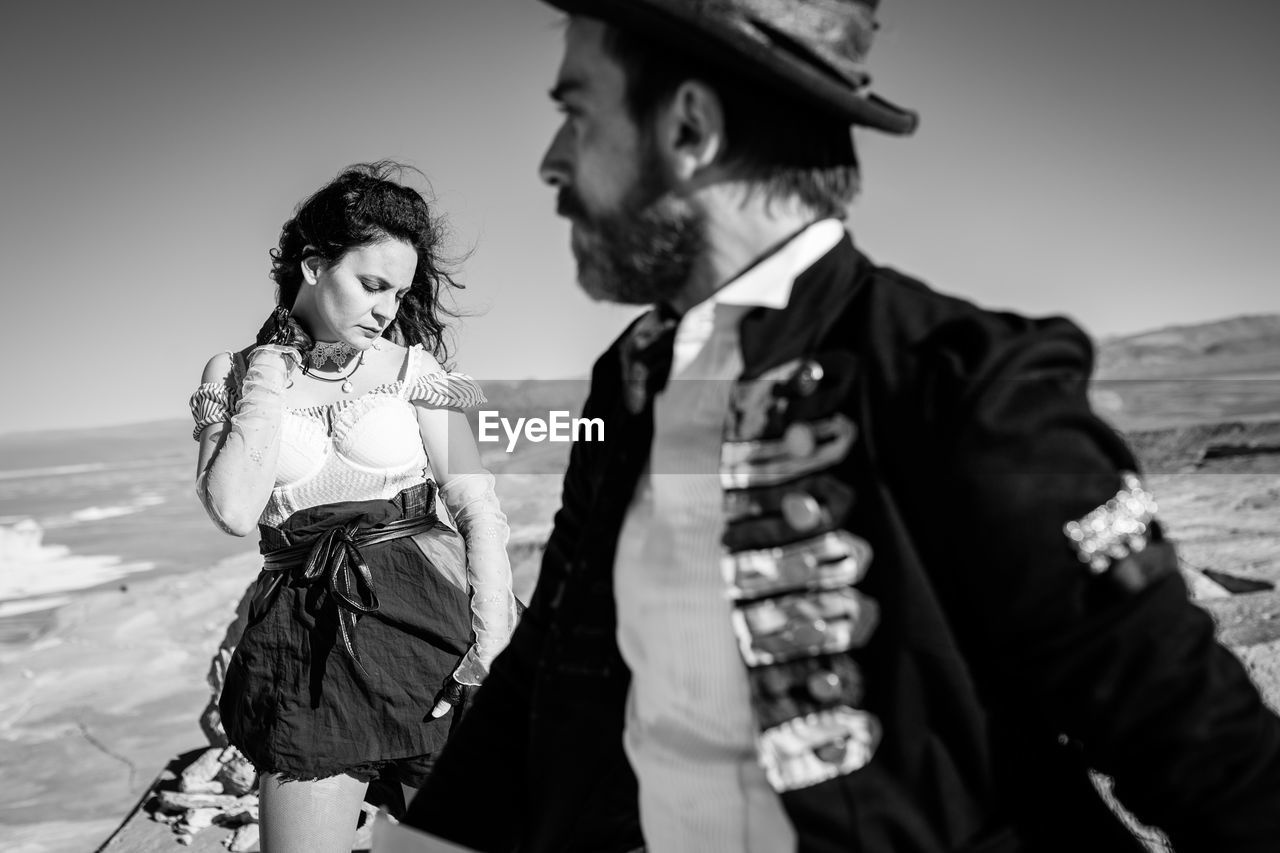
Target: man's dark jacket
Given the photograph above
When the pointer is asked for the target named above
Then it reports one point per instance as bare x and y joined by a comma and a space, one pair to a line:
1002, 669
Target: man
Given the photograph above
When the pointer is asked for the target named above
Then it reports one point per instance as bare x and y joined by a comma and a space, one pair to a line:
857, 568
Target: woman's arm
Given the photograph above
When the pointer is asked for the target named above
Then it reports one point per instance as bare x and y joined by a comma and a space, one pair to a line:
237, 462
447, 438
468, 491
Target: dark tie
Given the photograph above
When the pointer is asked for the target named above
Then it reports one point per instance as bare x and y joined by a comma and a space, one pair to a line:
646, 358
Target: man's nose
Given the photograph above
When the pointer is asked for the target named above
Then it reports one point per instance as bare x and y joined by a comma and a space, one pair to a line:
555, 166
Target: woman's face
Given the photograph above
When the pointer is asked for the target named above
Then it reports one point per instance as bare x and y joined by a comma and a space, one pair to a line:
355, 298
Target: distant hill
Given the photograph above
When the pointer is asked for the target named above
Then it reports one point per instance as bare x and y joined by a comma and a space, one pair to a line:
1237, 346
1225, 370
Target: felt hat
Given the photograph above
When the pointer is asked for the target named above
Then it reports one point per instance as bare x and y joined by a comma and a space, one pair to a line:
814, 50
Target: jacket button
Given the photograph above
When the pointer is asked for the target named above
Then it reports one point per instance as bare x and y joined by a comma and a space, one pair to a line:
800, 441
808, 378
825, 686
801, 511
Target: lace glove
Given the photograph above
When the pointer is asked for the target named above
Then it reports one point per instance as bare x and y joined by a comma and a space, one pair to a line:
474, 505
238, 479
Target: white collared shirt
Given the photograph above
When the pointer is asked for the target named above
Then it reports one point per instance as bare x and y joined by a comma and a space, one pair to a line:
690, 731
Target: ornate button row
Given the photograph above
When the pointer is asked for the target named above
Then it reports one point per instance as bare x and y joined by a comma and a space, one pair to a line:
796, 602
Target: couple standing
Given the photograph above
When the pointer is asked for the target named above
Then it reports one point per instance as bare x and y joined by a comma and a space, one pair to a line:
856, 569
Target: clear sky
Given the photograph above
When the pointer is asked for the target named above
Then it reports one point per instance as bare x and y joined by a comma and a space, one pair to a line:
1118, 162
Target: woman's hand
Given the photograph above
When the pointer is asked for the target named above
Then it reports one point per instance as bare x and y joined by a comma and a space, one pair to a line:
452, 695
281, 329
472, 501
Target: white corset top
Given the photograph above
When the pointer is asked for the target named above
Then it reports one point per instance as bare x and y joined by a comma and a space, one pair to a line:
365, 448
378, 436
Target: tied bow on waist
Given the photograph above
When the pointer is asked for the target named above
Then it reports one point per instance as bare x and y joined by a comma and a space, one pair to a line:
333, 558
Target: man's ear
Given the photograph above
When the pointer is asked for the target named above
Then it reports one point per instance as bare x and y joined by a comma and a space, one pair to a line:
690, 130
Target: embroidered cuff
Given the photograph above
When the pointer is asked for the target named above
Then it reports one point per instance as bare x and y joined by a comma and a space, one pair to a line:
1116, 529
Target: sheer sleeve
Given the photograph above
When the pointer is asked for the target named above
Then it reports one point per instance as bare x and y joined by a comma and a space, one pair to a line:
236, 469
473, 502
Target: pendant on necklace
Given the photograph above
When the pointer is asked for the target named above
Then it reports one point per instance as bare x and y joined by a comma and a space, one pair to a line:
346, 386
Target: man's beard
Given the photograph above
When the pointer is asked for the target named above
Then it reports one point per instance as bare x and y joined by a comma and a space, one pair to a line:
642, 253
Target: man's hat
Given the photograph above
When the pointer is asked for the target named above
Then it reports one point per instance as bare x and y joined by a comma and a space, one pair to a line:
811, 49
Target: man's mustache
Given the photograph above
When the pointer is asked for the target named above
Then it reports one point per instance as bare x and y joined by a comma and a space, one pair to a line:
569, 205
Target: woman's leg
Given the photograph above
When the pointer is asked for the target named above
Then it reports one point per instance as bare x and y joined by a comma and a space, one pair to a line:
317, 816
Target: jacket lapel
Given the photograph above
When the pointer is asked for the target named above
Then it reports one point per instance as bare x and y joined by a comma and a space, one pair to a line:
818, 300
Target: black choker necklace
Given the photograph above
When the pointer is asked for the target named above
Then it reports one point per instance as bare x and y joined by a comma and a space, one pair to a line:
339, 352
345, 380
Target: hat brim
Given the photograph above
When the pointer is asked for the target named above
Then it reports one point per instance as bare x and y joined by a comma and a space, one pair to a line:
773, 63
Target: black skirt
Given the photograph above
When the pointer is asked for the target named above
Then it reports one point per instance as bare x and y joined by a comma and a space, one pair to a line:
306, 699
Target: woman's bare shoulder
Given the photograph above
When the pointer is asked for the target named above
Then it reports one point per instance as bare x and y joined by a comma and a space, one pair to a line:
220, 366
392, 350
427, 362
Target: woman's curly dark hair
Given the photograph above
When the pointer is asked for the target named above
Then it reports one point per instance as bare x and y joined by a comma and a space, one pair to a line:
363, 205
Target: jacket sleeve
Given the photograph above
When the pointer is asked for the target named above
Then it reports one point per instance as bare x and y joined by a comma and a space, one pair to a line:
477, 794
1118, 661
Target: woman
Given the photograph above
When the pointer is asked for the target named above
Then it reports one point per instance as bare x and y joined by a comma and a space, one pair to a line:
330, 437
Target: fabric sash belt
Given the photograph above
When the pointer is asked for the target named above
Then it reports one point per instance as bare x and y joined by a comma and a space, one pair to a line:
334, 559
